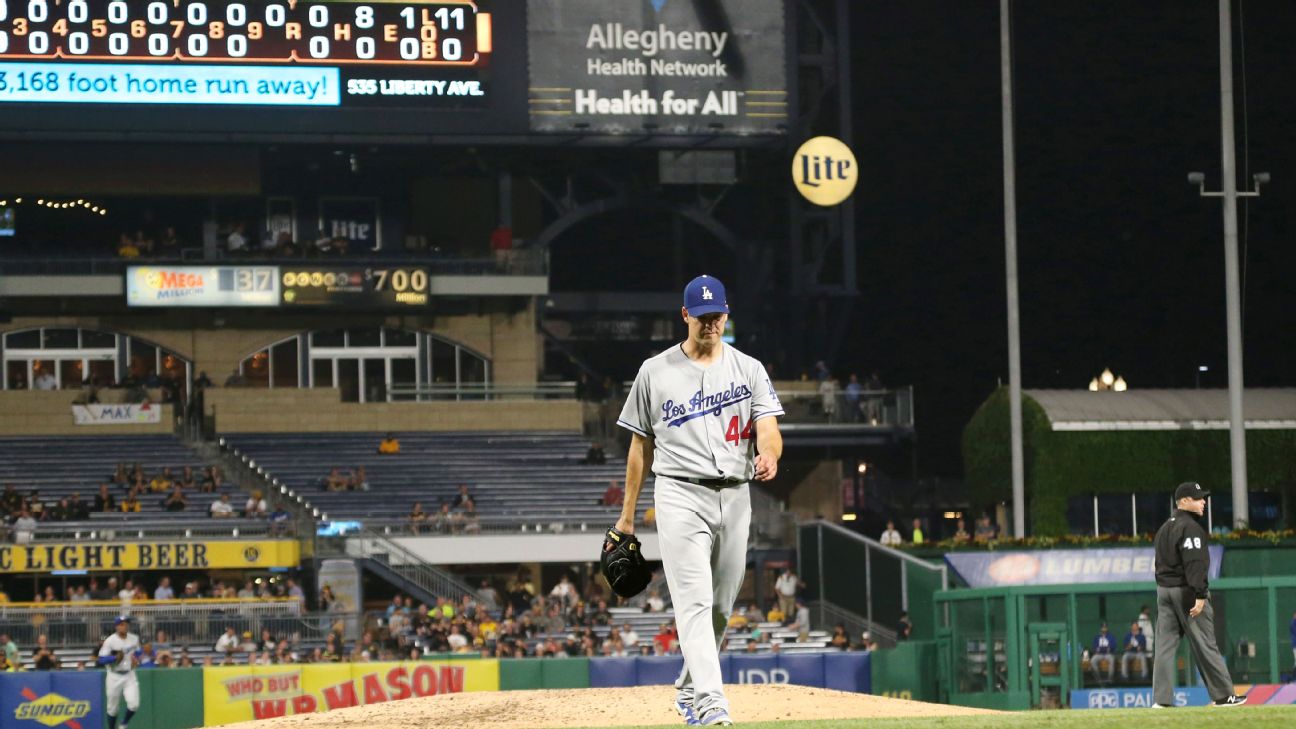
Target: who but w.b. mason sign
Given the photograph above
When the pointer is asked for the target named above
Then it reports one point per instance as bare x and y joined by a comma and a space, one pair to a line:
657, 66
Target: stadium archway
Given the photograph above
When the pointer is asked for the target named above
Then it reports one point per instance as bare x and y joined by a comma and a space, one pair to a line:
364, 362
71, 356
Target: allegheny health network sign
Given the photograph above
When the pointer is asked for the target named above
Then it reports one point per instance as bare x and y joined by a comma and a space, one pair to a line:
657, 66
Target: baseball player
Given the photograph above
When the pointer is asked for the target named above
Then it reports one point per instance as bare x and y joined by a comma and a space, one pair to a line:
702, 416
120, 653
1181, 563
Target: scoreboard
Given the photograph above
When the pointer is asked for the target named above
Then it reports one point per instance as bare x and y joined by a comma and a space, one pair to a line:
272, 52
348, 287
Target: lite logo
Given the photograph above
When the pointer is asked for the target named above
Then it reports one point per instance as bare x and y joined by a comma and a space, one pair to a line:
824, 171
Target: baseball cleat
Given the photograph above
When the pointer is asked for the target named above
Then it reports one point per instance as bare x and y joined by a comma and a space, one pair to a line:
715, 717
685, 710
1160, 706
1233, 700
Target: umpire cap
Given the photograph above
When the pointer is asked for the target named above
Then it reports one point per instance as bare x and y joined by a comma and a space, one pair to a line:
1190, 490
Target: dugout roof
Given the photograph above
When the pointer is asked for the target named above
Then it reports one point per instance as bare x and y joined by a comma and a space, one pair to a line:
1080, 410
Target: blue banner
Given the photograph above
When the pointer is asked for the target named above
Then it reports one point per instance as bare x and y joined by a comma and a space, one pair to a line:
840, 671
1134, 698
1062, 566
45, 699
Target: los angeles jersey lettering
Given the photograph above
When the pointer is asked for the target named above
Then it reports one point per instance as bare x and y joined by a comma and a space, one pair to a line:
701, 419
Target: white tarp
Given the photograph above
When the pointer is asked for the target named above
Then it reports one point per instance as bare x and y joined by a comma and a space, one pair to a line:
109, 414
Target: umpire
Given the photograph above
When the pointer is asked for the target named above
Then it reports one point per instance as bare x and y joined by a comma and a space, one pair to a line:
1183, 602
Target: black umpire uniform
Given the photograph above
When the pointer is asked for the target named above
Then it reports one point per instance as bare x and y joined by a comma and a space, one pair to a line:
1182, 563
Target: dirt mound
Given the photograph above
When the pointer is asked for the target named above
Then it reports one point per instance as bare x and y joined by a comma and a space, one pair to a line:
604, 708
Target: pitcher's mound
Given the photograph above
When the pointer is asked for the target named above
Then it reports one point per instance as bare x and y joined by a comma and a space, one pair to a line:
637, 706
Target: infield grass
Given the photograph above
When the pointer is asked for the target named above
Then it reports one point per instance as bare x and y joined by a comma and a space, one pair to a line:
1241, 717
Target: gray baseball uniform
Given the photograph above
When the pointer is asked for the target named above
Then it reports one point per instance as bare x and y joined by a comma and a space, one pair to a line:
702, 420
121, 682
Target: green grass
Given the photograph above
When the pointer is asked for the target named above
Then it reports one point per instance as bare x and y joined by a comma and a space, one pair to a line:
1250, 717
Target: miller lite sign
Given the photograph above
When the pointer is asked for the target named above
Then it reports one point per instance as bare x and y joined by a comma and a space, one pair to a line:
824, 171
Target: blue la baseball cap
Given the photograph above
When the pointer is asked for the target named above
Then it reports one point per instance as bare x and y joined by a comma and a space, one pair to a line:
122, 619
705, 295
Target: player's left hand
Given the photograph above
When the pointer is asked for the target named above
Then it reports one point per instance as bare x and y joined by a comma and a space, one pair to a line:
766, 467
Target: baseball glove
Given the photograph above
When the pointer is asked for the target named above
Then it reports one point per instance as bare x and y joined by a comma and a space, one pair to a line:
623, 564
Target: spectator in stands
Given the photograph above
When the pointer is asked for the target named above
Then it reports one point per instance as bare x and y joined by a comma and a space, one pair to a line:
655, 603
45, 381
222, 508
43, 656
256, 506
247, 591
666, 640
130, 504
229, 641
418, 518
358, 480
489, 596
108, 592
905, 628
469, 518
785, 589
1135, 649
280, 520
614, 496
389, 446
11, 501
60, 512
35, 506
1145, 627
79, 594
10, 650
1103, 654
211, 480
463, 496
186, 480
176, 501
147, 655
961, 533
775, 615
163, 592
564, 592
801, 622
891, 537
851, 399
237, 243
162, 482
24, 528
335, 481
77, 509
840, 640
236, 379
917, 532
595, 456
873, 403
985, 531
601, 615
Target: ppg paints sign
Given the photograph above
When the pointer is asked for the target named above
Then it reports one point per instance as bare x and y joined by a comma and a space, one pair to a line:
1137, 698
824, 171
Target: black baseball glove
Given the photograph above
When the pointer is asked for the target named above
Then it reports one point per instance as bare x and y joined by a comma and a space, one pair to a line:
623, 564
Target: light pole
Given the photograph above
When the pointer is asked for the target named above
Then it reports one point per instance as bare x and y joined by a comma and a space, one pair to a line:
1201, 370
1232, 288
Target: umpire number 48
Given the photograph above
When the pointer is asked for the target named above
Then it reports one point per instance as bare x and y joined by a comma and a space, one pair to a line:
732, 434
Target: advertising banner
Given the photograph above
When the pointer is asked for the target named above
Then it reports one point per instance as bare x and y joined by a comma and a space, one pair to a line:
134, 414
91, 556
246, 693
840, 671
45, 699
1134, 698
161, 285
1062, 566
658, 66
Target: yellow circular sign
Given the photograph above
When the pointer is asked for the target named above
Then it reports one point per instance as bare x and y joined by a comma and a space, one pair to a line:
824, 171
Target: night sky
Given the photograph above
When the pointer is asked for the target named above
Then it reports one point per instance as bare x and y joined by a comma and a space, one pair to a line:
1121, 262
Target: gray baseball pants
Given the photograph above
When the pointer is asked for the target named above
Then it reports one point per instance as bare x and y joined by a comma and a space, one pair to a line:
1173, 623
703, 536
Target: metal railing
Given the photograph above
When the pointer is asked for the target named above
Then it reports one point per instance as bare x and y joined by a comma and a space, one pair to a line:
186, 621
520, 262
486, 525
375, 545
893, 583
879, 408
137, 529
481, 391
828, 614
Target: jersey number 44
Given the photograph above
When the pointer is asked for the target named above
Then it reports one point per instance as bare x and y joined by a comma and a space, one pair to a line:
733, 435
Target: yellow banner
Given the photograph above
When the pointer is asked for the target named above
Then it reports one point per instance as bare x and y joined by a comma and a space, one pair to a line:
245, 693
92, 556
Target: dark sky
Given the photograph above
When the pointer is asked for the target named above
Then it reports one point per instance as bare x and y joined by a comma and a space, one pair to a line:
1121, 262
